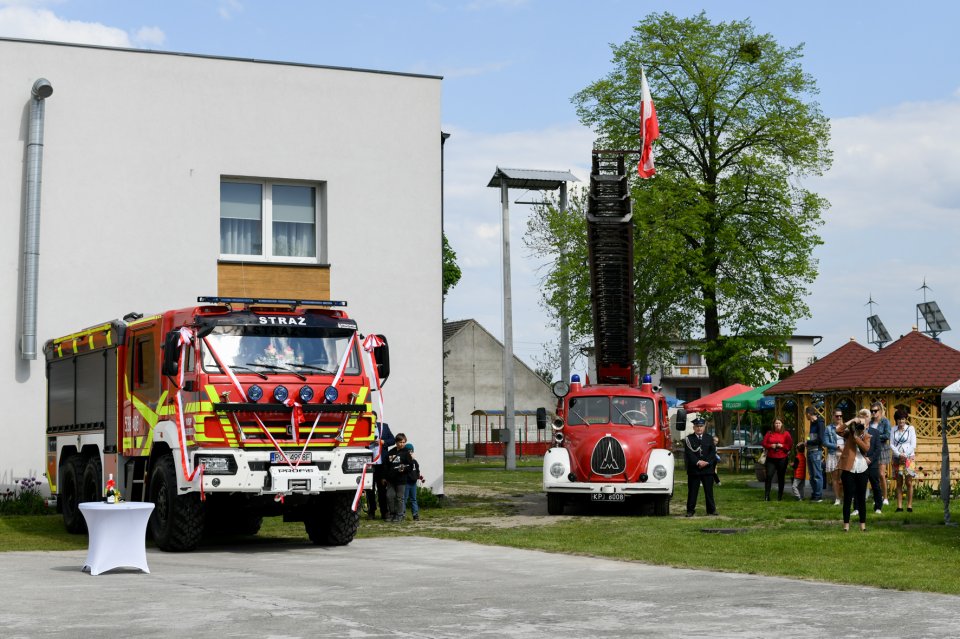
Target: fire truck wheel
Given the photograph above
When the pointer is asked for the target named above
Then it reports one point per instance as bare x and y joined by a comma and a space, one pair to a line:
661, 507
554, 504
91, 488
176, 523
70, 474
331, 521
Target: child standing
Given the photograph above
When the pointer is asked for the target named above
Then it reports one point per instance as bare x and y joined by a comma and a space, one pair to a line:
799, 471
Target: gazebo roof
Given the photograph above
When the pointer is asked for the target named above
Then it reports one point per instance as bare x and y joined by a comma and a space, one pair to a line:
913, 361
822, 371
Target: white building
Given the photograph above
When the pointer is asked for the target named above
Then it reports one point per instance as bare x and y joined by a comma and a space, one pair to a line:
473, 370
688, 378
168, 176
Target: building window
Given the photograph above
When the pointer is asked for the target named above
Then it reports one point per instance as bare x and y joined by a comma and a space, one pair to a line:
688, 358
269, 221
784, 356
687, 393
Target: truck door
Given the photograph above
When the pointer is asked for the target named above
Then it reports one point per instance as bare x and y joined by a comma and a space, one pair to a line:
141, 386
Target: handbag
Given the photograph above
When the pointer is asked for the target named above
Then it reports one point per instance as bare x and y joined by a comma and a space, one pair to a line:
763, 458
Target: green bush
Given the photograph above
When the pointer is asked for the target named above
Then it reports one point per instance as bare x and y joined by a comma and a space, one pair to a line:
25, 499
427, 499
922, 490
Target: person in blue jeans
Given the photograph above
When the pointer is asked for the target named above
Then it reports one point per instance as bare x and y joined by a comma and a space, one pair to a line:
410, 491
815, 454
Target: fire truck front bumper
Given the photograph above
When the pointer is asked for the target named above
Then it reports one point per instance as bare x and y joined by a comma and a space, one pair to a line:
257, 472
559, 478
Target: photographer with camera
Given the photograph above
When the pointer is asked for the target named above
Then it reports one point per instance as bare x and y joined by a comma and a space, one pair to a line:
853, 466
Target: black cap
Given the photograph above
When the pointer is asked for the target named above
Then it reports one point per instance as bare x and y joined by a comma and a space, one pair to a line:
699, 421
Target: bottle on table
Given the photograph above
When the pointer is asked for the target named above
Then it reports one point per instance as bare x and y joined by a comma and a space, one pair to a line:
111, 494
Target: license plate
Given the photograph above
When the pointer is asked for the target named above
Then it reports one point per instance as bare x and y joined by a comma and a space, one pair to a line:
302, 457
606, 497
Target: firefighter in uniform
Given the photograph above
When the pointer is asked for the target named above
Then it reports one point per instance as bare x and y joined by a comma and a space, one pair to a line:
700, 454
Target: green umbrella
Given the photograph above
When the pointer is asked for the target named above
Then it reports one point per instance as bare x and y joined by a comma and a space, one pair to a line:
750, 400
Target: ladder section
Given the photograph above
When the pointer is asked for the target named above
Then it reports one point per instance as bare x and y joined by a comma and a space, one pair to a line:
610, 243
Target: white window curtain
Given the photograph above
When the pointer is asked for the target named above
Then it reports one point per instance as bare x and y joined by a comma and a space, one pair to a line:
241, 218
294, 221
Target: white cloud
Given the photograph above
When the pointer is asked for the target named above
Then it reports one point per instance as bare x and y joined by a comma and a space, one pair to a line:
43, 24
150, 36
228, 8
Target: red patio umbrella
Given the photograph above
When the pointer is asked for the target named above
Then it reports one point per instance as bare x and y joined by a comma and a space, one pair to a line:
714, 401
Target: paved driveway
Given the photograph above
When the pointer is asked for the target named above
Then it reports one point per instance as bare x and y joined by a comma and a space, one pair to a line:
418, 587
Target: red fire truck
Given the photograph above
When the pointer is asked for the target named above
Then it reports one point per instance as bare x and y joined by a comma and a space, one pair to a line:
220, 414
612, 437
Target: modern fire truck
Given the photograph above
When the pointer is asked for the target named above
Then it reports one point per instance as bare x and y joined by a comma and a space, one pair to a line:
219, 414
612, 438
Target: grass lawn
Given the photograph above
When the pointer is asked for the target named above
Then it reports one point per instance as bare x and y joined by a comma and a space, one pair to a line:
488, 505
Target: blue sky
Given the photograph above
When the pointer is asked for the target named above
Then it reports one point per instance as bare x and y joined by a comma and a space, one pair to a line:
886, 75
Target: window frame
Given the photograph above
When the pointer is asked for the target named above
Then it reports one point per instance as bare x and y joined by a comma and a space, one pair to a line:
777, 354
266, 222
690, 355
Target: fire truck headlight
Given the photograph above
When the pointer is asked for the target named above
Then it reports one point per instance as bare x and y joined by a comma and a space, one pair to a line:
330, 394
659, 471
306, 394
556, 470
280, 393
254, 393
217, 464
355, 463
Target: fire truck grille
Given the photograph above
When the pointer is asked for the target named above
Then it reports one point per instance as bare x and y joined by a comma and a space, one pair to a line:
608, 457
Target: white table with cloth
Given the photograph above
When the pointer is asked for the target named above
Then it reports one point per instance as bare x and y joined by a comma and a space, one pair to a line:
117, 535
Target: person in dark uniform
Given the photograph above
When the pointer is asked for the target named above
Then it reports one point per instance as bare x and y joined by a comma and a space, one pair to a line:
377, 494
700, 454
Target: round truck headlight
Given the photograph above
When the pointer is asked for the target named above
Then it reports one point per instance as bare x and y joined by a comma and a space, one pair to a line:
659, 471
254, 393
306, 394
556, 470
280, 393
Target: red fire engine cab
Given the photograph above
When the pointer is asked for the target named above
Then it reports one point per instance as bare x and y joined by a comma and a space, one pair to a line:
612, 438
220, 414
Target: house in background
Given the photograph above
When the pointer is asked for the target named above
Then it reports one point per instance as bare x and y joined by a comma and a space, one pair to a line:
688, 378
473, 372
166, 176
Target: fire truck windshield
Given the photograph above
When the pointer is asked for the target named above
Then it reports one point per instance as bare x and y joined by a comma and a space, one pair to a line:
271, 349
630, 411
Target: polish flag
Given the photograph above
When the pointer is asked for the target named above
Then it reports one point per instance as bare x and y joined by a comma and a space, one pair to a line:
649, 129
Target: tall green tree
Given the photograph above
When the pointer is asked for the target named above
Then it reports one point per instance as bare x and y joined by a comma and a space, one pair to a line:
561, 236
451, 271
739, 129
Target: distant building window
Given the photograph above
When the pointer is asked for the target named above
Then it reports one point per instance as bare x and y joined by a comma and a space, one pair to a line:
687, 394
784, 356
269, 221
688, 358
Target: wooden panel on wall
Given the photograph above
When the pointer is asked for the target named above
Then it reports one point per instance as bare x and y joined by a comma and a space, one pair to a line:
290, 281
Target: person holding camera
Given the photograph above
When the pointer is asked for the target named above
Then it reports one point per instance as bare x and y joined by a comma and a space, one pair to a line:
777, 443
903, 441
398, 467
853, 466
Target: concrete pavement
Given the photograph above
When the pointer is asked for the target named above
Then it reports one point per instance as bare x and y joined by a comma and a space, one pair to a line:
419, 587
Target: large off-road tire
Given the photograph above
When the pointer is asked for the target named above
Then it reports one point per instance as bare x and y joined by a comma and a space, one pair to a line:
332, 521
555, 504
176, 523
71, 473
91, 486
661, 506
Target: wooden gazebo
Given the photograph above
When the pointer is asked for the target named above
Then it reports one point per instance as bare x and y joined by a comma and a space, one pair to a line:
907, 375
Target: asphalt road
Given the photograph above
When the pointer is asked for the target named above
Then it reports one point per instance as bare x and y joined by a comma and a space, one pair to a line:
418, 587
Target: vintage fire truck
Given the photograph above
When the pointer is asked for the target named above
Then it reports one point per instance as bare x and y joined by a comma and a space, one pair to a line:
612, 438
219, 414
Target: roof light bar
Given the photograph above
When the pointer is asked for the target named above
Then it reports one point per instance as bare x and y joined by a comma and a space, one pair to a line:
262, 300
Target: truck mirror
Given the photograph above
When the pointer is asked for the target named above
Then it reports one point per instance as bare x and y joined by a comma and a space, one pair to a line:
382, 355
681, 418
541, 418
171, 354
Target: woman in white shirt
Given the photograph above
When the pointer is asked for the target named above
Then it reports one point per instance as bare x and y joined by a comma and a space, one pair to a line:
903, 444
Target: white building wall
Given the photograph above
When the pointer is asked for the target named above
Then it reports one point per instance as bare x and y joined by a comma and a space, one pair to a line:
135, 145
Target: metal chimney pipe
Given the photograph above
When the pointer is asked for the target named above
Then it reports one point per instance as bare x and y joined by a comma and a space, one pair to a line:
42, 89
